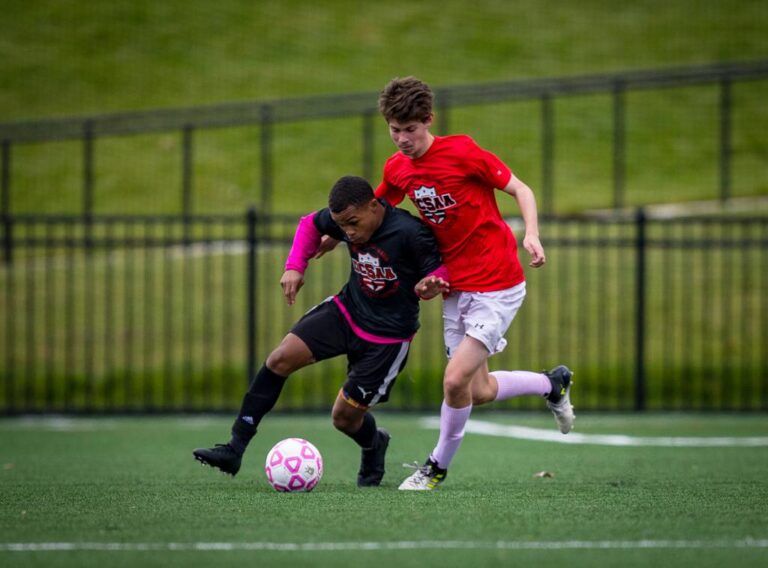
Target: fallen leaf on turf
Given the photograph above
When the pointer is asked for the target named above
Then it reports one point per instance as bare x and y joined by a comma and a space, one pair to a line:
544, 474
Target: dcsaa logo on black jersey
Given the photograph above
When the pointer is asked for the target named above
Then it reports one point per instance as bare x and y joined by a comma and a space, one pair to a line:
431, 204
373, 276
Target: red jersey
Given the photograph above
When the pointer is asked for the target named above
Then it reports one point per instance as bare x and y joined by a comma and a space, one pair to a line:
452, 186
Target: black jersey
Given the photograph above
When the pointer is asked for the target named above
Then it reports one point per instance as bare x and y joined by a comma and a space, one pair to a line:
379, 295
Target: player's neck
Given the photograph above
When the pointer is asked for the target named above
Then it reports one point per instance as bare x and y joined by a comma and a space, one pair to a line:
380, 216
430, 141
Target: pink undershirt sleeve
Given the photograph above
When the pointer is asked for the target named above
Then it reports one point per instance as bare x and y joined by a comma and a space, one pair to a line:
440, 272
305, 243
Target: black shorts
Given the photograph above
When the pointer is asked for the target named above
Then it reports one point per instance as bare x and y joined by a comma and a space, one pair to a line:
372, 367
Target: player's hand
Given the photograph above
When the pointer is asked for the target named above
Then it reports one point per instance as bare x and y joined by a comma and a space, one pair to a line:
291, 281
327, 244
533, 246
431, 286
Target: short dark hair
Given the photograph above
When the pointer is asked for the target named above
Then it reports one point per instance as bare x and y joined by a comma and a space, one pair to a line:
405, 100
349, 191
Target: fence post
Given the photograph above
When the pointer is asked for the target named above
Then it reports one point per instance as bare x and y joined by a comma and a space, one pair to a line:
5, 203
640, 297
266, 158
250, 290
618, 144
88, 168
547, 154
725, 139
368, 151
88, 185
443, 113
186, 180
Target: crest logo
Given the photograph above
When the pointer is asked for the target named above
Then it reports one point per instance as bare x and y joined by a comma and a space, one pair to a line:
432, 205
365, 258
373, 276
424, 191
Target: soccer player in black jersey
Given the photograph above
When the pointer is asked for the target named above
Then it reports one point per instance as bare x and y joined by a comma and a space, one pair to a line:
394, 263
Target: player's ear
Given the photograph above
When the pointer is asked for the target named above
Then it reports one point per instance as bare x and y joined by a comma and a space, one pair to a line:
428, 121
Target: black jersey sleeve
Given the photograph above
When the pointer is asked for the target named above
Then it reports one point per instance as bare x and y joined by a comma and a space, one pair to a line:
326, 225
424, 248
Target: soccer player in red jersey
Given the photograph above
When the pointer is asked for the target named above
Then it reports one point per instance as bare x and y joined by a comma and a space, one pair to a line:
452, 182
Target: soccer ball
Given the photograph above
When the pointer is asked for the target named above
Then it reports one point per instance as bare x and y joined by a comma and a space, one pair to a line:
294, 464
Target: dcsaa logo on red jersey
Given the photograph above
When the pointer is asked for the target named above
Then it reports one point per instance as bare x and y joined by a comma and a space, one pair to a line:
431, 204
372, 275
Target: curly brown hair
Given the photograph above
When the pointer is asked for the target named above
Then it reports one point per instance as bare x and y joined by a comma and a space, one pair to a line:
405, 100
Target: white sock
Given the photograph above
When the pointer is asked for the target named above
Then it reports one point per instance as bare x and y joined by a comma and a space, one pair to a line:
452, 423
521, 383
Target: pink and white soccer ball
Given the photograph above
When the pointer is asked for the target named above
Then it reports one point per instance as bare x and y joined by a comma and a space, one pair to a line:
294, 464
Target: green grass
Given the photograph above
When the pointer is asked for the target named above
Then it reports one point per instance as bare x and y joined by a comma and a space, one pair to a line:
70, 57
127, 480
64, 58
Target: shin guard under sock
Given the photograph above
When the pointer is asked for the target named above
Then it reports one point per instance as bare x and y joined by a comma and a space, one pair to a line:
260, 398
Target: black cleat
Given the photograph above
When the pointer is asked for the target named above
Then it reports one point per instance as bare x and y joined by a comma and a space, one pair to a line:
372, 461
222, 456
559, 400
560, 377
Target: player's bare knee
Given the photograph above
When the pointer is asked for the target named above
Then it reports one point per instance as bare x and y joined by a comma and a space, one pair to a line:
457, 374
454, 385
342, 421
281, 361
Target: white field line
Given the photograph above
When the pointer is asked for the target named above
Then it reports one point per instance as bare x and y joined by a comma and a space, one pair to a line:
377, 546
62, 423
541, 435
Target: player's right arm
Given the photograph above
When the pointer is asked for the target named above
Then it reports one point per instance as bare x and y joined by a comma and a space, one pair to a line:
305, 243
291, 282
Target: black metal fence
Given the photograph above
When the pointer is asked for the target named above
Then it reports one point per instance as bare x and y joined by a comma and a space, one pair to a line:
121, 314
265, 115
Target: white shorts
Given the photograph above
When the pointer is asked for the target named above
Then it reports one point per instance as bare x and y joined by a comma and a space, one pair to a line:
486, 316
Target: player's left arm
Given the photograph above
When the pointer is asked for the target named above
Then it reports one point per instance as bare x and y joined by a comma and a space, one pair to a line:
433, 285
435, 279
526, 201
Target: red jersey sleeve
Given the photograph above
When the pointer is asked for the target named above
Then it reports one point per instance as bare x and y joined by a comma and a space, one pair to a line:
488, 167
392, 194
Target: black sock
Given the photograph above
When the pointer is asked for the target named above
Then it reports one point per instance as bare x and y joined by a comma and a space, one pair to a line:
260, 398
366, 435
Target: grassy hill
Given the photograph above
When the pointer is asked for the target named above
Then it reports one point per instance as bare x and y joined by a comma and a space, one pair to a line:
72, 57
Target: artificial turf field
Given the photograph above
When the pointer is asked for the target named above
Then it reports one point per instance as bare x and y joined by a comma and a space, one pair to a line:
126, 492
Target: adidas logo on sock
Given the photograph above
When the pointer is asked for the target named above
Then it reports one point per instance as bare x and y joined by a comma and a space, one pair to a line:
248, 419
